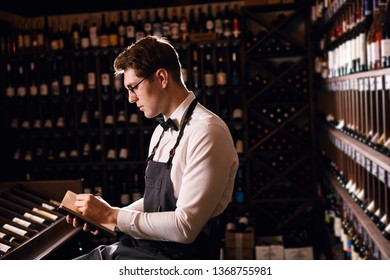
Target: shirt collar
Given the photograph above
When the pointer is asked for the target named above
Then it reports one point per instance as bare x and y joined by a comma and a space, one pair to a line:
178, 115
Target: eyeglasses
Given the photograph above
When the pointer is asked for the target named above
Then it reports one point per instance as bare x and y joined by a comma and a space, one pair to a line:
132, 89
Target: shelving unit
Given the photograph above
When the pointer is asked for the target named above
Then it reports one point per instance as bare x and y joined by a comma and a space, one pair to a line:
280, 152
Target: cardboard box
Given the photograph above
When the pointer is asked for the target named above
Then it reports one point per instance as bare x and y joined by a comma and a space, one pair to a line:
303, 253
270, 252
239, 253
239, 239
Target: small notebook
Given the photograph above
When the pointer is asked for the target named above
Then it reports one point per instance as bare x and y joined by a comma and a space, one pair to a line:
67, 205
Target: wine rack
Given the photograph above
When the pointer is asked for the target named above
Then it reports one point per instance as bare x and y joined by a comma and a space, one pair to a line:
279, 116
354, 129
67, 116
35, 204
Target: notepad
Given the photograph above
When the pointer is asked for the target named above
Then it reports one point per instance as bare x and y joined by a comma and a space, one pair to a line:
68, 206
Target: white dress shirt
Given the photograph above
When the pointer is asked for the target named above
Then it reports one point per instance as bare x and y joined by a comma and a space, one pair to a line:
203, 172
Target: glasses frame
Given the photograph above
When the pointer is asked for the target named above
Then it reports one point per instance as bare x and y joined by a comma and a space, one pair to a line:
132, 89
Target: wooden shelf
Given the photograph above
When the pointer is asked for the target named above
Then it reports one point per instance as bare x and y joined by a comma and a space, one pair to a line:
374, 156
380, 245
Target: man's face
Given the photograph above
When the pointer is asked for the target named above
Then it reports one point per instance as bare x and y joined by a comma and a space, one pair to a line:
143, 92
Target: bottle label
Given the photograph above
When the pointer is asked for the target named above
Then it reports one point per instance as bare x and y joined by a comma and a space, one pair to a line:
43, 89
33, 90
10, 92
91, 80
4, 248
67, 80
55, 87
21, 222
209, 79
85, 43
221, 79
34, 218
105, 78
123, 153
111, 154
125, 199
46, 214
130, 31
21, 91
15, 229
80, 87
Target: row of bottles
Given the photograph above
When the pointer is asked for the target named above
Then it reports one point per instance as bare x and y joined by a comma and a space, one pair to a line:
360, 108
364, 180
355, 243
357, 41
87, 73
23, 215
122, 28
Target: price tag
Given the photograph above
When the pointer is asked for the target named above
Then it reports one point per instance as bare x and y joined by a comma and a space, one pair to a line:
368, 165
387, 81
372, 83
361, 85
366, 84
388, 180
379, 83
362, 160
374, 169
382, 175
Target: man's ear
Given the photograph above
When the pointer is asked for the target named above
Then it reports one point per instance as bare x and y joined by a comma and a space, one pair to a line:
162, 76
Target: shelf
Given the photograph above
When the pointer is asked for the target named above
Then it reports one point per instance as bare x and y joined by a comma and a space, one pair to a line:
381, 246
372, 155
360, 75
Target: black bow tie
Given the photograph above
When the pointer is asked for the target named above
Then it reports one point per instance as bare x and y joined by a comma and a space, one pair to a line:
166, 124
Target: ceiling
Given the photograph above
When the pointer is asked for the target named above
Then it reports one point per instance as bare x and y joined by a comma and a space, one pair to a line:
34, 8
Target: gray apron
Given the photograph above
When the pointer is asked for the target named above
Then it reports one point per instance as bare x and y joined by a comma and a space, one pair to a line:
159, 197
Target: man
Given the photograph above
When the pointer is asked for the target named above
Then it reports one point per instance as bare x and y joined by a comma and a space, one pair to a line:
190, 170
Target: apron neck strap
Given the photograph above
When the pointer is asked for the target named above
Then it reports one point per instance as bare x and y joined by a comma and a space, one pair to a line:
172, 151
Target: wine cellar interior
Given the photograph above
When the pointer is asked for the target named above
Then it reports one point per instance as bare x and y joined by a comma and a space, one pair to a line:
304, 87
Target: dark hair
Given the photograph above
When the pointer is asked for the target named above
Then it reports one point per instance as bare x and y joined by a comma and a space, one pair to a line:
147, 55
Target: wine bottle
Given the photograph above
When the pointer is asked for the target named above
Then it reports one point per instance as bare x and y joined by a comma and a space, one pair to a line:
209, 20
91, 75
33, 79
196, 78
147, 24
84, 36
157, 24
221, 70
139, 27
123, 152
130, 29
49, 214
11, 237
166, 25
20, 220
121, 30
67, 76
16, 228
50, 204
11, 80
80, 77
136, 193
184, 26
105, 77
209, 75
55, 78
227, 24
385, 40
239, 194
93, 33
174, 26
21, 88
235, 69
25, 212
4, 248
236, 22
110, 147
104, 40
113, 38
218, 23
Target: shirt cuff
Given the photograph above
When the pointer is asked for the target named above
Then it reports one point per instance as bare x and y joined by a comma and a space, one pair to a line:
127, 222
